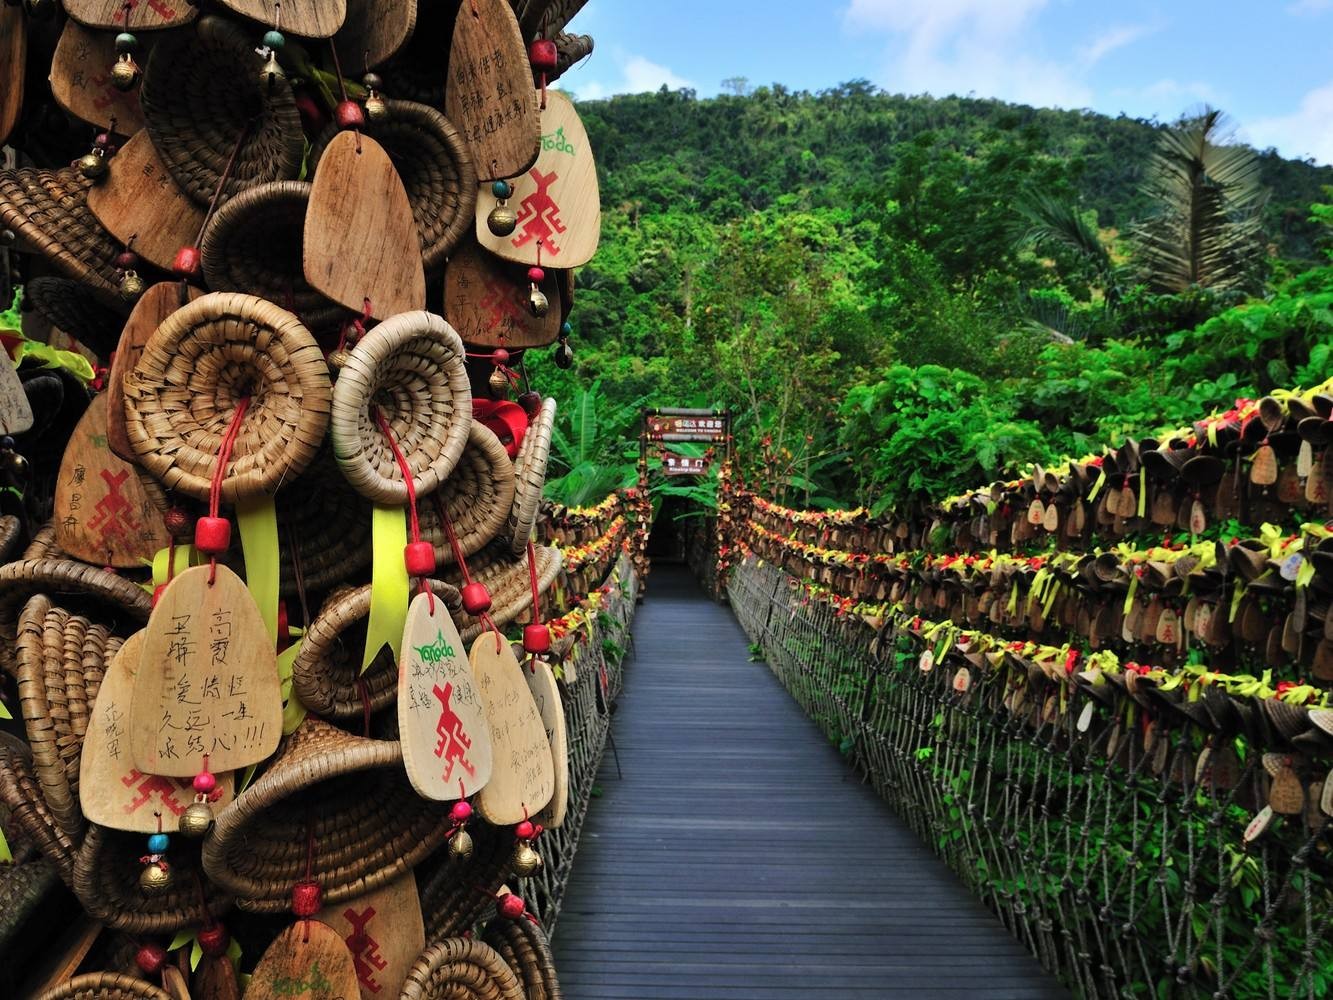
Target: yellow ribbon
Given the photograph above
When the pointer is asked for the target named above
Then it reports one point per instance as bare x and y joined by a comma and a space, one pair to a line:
258, 520
1143, 493
293, 712
1097, 486
388, 592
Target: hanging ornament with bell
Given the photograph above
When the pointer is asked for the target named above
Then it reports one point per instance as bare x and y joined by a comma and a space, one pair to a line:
525, 859
93, 164
127, 263
13, 466
155, 879
538, 304
197, 819
126, 72
376, 109
543, 55
564, 354
460, 841
502, 220
272, 72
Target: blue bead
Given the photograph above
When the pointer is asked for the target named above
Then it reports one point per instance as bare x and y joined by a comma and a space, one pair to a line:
502, 189
125, 42
157, 843
274, 39
566, 329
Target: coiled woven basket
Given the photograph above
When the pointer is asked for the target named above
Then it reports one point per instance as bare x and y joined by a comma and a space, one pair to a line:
104, 986
461, 969
477, 498
524, 947
197, 366
77, 311
530, 476
22, 796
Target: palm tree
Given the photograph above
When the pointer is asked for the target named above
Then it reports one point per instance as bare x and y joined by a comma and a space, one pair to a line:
1206, 232
1053, 223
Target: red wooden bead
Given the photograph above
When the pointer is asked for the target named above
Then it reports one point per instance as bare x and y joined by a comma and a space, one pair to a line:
531, 403
214, 941
536, 275
543, 55
306, 899
476, 598
127, 260
204, 782
420, 558
177, 522
536, 639
499, 356
461, 812
512, 906
348, 114
525, 830
150, 959
212, 535
188, 263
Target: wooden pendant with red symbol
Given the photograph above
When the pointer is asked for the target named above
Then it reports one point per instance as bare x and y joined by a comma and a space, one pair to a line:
486, 301
131, 15
307, 961
81, 79
384, 931
522, 775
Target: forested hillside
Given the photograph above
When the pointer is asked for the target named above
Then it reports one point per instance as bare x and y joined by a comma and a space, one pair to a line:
859, 275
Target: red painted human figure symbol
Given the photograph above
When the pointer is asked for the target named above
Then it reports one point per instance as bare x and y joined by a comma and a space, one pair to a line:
454, 743
162, 10
539, 215
500, 304
112, 519
366, 957
146, 785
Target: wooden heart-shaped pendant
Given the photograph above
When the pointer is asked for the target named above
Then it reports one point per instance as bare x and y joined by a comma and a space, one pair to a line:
1263, 471
15, 410
523, 775
307, 18
131, 15
557, 200
1286, 794
442, 725
361, 245
541, 682
489, 93
374, 31
307, 961
104, 512
384, 931
486, 301
13, 67
207, 681
112, 792
81, 79
1036, 511
138, 199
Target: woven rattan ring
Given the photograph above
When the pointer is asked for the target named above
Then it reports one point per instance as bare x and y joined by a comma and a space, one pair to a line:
202, 98
326, 673
197, 367
477, 497
409, 368
525, 949
461, 969
349, 795
436, 168
530, 476
22, 798
104, 986
254, 245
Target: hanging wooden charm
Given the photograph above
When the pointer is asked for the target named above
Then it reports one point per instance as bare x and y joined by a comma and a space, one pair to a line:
522, 776
138, 200
384, 932
112, 791
361, 247
374, 31
441, 722
15, 410
1264, 470
81, 80
131, 15
557, 201
541, 682
307, 18
489, 93
207, 681
13, 66
487, 300
105, 514
307, 961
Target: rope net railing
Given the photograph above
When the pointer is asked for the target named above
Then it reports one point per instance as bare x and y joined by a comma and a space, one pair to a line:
1112, 724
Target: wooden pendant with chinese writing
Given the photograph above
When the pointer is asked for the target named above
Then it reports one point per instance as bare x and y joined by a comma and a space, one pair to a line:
486, 301
81, 80
523, 777
541, 682
307, 961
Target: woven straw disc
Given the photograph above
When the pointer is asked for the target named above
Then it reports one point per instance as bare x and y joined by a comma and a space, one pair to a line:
48, 211
524, 947
201, 92
477, 497
530, 474
327, 668
411, 368
325, 523
509, 583
22, 796
461, 969
436, 169
253, 245
70, 306
104, 986
351, 794
197, 366
11, 530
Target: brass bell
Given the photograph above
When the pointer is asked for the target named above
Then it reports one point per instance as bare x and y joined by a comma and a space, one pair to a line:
196, 821
13, 463
564, 355
92, 166
155, 879
499, 383
125, 73
460, 845
272, 71
538, 304
502, 221
338, 359
131, 286
526, 861
376, 109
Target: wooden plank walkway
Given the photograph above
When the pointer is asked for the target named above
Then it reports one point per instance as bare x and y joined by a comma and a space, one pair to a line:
740, 859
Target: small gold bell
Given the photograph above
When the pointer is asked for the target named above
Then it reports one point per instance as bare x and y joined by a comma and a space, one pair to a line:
339, 359
125, 73
526, 861
196, 821
460, 845
13, 463
131, 286
271, 72
376, 109
502, 221
538, 304
499, 383
155, 879
92, 166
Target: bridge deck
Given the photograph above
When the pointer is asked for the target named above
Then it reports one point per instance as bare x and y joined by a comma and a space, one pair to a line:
740, 859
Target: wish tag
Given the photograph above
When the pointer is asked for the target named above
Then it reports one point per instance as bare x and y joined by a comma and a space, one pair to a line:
523, 775
173, 982
104, 513
131, 15
962, 681
1286, 795
486, 301
1051, 519
215, 979
1084, 722
81, 79
307, 961
15, 410
384, 932
927, 662
307, 18
541, 683
1263, 471
1291, 566
1036, 512
374, 31
1316, 485
1168, 627
1326, 796
207, 682
557, 199
1305, 459
1077, 520
441, 722
361, 245
1258, 825
1198, 518
489, 93
13, 67
1290, 488
152, 309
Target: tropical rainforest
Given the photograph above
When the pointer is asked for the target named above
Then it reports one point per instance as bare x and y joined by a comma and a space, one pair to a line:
901, 297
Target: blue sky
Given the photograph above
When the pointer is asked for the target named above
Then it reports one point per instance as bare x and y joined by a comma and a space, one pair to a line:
1265, 62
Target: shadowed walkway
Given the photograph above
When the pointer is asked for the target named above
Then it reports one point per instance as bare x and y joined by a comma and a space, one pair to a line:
740, 859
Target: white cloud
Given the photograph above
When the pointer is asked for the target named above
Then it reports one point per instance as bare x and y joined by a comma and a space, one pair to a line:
1306, 132
636, 76
1307, 7
1115, 38
967, 46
